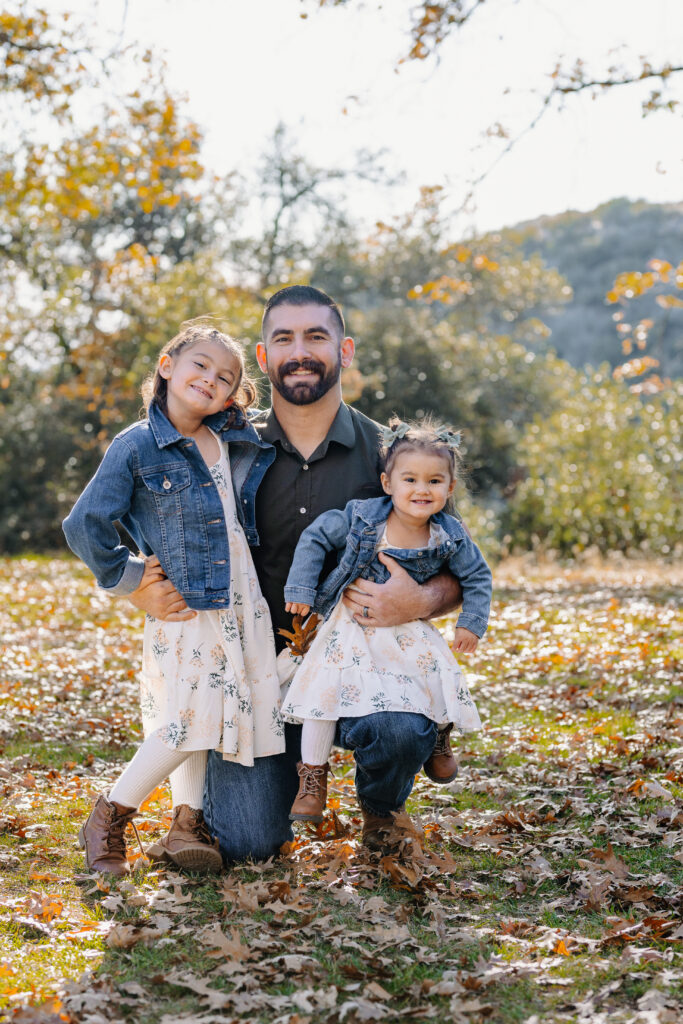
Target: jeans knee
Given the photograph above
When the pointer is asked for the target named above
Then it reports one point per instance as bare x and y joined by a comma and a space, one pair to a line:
412, 744
393, 736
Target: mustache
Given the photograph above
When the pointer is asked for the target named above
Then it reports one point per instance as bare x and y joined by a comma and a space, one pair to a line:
311, 365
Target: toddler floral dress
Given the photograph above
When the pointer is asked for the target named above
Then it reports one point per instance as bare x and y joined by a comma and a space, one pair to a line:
352, 670
211, 682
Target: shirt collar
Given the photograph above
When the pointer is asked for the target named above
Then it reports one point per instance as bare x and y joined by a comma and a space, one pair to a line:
341, 430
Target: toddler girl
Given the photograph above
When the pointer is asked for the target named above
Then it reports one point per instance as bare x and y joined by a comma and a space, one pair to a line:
210, 681
353, 670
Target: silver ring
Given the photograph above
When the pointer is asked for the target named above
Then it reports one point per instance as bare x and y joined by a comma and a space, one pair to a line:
366, 612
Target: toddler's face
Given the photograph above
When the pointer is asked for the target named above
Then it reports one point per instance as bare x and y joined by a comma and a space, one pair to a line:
420, 484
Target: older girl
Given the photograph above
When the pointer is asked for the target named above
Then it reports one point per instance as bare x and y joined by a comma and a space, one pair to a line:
182, 482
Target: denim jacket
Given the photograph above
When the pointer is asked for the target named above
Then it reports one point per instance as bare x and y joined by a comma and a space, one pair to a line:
156, 484
355, 533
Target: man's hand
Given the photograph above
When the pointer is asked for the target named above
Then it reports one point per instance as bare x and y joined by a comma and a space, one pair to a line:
401, 599
157, 596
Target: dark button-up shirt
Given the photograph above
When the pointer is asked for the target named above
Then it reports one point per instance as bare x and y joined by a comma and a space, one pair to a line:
295, 491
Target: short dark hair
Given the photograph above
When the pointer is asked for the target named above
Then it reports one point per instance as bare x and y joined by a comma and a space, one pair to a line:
302, 295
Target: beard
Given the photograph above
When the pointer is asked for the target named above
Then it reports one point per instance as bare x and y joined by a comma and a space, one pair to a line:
305, 393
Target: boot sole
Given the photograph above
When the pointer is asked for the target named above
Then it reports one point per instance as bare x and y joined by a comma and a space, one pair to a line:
202, 861
316, 818
442, 782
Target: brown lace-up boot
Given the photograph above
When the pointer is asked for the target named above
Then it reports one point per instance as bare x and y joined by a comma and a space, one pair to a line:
188, 843
441, 766
394, 832
102, 837
312, 796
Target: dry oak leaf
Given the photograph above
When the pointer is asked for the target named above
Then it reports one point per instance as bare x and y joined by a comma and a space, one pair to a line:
607, 860
300, 637
217, 1000
232, 947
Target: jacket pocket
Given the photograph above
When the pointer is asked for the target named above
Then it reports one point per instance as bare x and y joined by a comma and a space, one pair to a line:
170, 511
167, 481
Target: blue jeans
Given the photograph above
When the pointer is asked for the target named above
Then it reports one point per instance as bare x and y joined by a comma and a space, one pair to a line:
248, 808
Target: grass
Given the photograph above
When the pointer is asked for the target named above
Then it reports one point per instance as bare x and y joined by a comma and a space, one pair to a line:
551, 884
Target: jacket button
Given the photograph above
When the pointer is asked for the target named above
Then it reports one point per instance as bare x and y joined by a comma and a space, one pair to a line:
166, 484
302, 510
305, 465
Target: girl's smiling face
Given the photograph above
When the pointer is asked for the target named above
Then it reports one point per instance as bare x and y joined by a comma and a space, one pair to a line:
200, 379
419, 483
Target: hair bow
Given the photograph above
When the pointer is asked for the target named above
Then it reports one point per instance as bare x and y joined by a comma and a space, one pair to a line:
449, 438
389, 435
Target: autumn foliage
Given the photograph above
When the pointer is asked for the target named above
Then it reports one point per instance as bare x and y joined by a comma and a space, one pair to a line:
550, 881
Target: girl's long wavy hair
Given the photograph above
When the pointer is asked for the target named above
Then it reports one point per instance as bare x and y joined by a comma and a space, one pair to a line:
244, 395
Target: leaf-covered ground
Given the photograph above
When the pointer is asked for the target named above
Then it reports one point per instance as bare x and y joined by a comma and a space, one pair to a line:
551, 887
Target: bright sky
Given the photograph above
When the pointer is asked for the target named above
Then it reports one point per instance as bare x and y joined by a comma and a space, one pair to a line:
245, 66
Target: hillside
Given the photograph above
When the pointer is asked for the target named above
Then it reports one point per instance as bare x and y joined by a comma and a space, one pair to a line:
590, 249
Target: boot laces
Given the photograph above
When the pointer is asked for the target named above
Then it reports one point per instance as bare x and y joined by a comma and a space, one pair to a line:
443, 742
311, 779
115, 838
198, 827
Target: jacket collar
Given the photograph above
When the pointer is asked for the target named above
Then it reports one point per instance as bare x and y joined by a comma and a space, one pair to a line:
165, 433
376, 510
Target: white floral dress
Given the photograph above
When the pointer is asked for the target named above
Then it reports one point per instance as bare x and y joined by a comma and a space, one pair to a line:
352, 670
211, 682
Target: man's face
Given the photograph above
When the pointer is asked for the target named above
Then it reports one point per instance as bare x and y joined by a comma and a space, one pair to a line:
303, 352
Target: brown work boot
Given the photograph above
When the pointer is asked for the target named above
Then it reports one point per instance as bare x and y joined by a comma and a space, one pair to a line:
441, 766
188, 843
392, 832
312, 796
102, 837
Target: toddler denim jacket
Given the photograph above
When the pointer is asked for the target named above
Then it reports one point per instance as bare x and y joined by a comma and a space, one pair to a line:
156, 484
356, 531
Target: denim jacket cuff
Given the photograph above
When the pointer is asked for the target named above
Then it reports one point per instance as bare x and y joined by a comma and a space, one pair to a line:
130, 580
474, 623
300, 595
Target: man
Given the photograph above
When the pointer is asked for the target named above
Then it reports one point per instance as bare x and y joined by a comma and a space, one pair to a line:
326, 454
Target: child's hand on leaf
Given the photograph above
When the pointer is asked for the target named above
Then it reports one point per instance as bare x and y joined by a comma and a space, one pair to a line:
464, 641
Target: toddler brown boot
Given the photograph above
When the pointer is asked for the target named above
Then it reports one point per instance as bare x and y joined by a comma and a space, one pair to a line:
312, 796
441, 766
188, 843
102, 837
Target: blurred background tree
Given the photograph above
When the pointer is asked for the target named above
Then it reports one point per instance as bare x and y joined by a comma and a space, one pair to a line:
113, 232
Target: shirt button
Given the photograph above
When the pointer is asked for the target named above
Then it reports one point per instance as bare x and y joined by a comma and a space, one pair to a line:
302, 510
305, 465
244, 501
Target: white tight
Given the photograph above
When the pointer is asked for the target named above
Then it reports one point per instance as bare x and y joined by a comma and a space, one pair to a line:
153, 762
317, 737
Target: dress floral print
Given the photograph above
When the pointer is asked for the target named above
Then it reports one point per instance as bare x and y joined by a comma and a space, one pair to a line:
352, 670
211, 682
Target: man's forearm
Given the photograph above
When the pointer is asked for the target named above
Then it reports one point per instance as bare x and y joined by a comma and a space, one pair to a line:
443, 594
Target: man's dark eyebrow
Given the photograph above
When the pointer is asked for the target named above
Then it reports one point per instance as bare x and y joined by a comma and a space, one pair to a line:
309, 330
